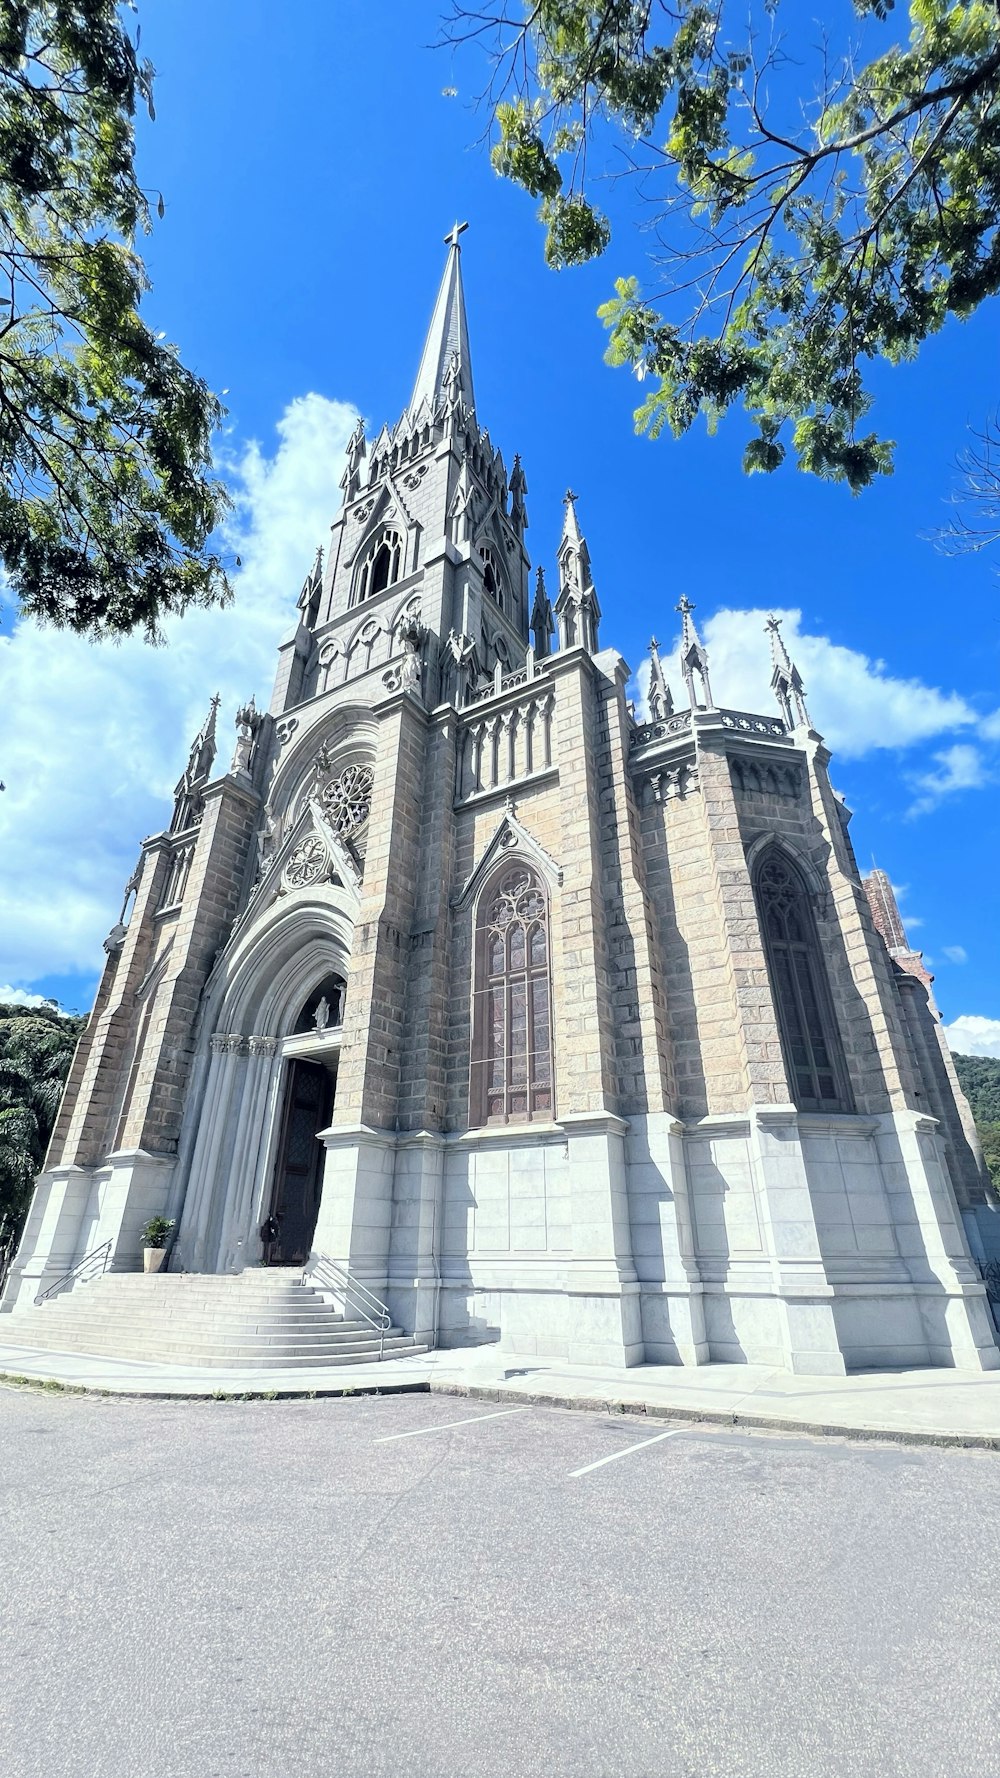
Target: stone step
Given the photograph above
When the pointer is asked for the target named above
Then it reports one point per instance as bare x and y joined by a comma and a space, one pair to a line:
180, 1327
304, 1309
199, 1320
240, 1357
55, 1339
184, 1327
130, 1286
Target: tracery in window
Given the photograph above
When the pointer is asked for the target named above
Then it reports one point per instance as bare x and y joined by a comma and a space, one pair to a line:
511, 1079
810, 1042
380, 565
491, 576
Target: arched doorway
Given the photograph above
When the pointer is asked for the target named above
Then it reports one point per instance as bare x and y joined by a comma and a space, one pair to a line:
312, 1053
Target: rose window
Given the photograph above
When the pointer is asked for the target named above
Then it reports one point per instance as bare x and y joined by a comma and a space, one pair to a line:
307, 864
347, 800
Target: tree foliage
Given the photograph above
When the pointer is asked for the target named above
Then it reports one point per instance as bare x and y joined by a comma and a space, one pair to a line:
808, 218
36, 1048
107, 503
979, 1079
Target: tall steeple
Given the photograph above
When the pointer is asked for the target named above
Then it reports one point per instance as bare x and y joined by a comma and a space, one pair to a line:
446, 357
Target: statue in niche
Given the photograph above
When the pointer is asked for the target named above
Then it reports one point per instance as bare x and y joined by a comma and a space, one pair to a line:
321, 1017
248, 721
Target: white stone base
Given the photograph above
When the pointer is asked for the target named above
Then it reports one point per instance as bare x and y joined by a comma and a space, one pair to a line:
75, 1210
812, 1245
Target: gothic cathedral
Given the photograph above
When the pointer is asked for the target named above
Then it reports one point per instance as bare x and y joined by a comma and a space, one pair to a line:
545, 1024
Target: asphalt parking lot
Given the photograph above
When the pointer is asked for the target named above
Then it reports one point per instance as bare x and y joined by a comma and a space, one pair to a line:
418, 1585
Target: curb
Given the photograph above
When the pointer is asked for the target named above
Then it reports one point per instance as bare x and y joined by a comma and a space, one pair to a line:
736, 1420
52, 1386
744, 1422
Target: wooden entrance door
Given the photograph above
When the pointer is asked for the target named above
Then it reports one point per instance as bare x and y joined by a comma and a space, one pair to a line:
298, 1176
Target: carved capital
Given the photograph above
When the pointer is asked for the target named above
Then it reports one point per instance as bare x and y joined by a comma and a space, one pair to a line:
262, 1046
227, 1043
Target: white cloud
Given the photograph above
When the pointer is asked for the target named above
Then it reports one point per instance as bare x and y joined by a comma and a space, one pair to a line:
956, 953
972, 1035
95, 737
855, 702
20, 997
961, 767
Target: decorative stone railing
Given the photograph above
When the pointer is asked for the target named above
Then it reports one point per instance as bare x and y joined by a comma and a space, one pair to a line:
743, 722
663, 730
500, 749
749, 724
500, 683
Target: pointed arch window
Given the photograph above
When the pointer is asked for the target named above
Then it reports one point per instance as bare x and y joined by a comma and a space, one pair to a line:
511, 1076
380, 565
491, 577
810, 1041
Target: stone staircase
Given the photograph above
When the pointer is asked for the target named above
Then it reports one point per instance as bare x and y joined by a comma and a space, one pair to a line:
258, 1320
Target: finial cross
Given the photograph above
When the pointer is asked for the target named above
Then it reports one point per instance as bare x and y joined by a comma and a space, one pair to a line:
685, 605
569, 497
457, 228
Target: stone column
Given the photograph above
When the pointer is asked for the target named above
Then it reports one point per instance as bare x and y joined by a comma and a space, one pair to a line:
192, 1248
239, 1242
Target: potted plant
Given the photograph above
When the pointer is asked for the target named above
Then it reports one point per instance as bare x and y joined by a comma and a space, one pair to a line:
154, 1242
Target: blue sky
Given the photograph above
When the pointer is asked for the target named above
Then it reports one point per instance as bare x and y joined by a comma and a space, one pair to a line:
310, 164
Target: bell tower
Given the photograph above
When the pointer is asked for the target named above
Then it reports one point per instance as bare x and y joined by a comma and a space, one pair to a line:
426, 575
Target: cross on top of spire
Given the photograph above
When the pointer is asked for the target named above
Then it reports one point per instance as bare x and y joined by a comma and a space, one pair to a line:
446, 355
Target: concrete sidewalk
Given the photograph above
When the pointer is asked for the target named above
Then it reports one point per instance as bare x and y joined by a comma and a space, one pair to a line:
933, 1406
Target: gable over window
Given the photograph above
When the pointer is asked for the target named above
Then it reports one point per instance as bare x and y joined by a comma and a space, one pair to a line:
511, 1076
380, 565
810, 1041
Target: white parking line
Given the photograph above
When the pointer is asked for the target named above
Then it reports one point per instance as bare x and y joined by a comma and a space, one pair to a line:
421, 1431
628, 1452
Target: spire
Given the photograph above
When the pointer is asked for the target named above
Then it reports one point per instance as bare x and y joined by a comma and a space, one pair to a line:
187, 793
518, 489
576, 606
202, 756
574, 556
661, 703
356, 448
786, 682
542, 622
694, 658
446, 363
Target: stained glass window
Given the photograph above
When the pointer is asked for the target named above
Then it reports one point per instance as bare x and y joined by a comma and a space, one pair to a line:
511, 1033
809, 1039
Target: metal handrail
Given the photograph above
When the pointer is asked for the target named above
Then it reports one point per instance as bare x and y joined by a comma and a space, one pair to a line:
367, 1305
102, 1253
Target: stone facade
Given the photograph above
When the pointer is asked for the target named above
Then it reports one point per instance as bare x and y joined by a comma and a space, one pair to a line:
711, 1117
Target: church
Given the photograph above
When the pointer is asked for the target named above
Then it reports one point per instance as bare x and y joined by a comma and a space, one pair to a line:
537, 1022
